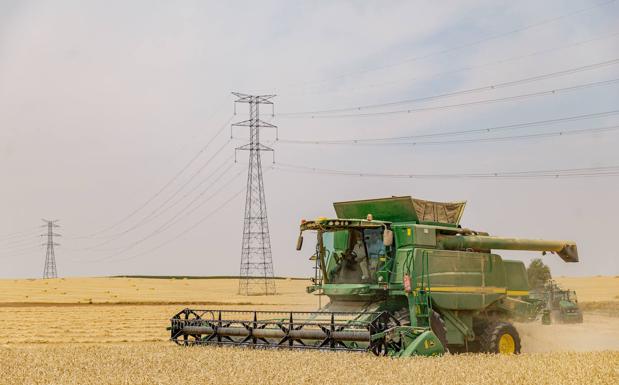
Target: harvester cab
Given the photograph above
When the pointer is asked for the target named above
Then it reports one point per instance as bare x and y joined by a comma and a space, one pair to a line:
403, 278
350, 251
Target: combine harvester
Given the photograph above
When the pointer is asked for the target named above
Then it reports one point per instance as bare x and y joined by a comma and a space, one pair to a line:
403, 278
560, 305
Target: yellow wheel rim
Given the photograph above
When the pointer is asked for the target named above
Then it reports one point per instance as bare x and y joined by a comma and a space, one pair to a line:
507, 344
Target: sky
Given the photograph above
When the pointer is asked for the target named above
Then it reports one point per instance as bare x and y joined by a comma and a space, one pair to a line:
115, 119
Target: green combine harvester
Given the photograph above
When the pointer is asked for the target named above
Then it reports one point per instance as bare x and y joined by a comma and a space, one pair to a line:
560, 305
403, 278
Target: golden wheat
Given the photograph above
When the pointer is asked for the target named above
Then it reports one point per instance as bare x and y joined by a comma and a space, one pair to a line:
592, 289
160, 363
112, 331
95, 323
145, 291
107, 310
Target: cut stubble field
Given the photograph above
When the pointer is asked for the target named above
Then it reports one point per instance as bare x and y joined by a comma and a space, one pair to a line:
105, 310
113, 331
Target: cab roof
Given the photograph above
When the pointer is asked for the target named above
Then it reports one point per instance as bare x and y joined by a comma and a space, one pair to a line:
339, 223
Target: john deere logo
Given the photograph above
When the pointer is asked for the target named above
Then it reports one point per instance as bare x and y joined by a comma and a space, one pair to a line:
428, 344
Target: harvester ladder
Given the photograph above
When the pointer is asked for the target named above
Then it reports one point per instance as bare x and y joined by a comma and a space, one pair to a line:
318, 280
421, 293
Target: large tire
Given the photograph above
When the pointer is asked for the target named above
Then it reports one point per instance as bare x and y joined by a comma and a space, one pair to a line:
438, 327
479, 327
500, 337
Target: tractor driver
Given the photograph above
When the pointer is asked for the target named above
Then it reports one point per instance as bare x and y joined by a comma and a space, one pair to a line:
358, 252
376, 248
347, 261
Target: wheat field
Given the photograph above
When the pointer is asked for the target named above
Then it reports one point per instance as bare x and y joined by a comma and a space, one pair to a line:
211, 291
592, 289
160, 363
112, 331
151, 291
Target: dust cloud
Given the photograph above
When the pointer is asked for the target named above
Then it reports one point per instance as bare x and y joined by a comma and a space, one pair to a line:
596, 333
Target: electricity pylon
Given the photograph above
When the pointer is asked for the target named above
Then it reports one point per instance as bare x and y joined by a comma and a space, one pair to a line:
256, 273
50, 258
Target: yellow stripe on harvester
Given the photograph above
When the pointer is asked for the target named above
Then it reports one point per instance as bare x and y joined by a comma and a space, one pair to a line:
478, 290
469, 289
517, 292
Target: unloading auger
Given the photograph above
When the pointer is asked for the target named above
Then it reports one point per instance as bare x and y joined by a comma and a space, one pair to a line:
403, 278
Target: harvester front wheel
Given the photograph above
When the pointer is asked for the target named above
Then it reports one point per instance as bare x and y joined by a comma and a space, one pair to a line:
500, 337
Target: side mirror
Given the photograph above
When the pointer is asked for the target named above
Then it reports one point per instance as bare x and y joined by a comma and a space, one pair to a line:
388, 237
300, 242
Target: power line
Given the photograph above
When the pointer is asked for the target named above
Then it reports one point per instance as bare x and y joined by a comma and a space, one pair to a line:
461, 46
188, 209
485, 140
409, 140
489, 87
455, 133
208, 216
165, 186
467, 68
30, 251
21, 248
192, 227
227, 162
466, 104
174, 220
191, 179
18, 241
194, 138
157, 211
230, 165
555, 173
20, 234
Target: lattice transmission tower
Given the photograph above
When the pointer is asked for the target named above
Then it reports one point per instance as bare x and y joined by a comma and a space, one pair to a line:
256, 273
50, 258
